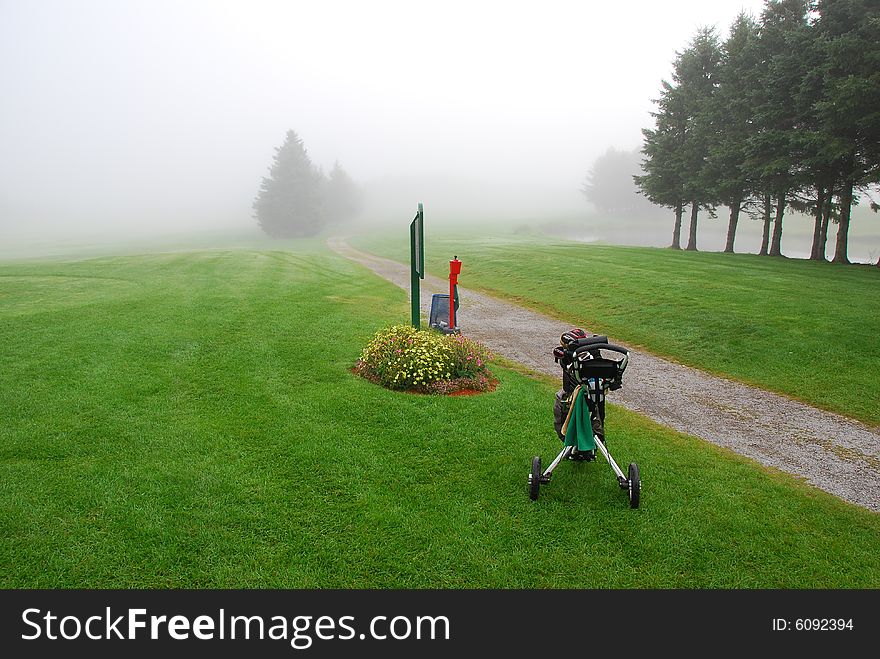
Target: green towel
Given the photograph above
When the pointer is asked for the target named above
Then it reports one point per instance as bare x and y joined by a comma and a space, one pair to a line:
579, 432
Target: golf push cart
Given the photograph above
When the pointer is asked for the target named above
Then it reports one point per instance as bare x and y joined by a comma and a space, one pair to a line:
579, 410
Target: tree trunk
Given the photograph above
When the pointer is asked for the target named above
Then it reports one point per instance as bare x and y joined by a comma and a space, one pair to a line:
846, 196
776, 243
731, 224
676, 231
817, 253
765, 237
692, 234
826, 219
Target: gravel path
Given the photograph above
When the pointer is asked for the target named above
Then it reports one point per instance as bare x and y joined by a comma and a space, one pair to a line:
832, 452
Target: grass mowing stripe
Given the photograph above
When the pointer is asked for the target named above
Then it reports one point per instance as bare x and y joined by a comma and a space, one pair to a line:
808, 330
200, 428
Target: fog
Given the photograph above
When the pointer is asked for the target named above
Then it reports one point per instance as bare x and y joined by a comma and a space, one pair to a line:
144, 117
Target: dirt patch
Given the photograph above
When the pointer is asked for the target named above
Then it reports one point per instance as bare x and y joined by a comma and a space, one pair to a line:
829, 451
473, 392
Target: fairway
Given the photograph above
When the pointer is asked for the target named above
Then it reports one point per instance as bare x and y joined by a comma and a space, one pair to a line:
804, 329
189, 420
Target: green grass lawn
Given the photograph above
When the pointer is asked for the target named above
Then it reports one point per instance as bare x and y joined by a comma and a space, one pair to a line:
808, 330
189, 420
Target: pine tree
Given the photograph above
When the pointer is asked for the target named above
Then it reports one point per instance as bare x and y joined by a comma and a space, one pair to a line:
849, 114
696, 72
815, 146
662, 182
676, 150
342, 197
773, 151
290, 201
731, 120
609, 184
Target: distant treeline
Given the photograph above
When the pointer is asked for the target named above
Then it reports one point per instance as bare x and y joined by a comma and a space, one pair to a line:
784, 114
297, 200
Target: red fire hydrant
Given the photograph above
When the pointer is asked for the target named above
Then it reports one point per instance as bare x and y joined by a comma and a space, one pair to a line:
454, 271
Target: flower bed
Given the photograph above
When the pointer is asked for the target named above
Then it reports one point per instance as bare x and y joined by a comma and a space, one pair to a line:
406, 359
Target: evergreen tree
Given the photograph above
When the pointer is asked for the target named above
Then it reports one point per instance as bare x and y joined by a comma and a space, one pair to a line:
663, 180
676, 149
818, 157
732, 123
773, 158
785, 115
661, 183
849, 114
696, 72
609, 184
342, 197
290, 201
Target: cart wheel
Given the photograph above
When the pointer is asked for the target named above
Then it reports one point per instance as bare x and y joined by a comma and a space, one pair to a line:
535, 478
634, 485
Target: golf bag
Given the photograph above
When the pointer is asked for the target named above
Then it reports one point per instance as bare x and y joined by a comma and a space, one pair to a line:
565, 356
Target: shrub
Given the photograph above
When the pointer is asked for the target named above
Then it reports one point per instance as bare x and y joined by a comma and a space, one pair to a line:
469, 357
403, 358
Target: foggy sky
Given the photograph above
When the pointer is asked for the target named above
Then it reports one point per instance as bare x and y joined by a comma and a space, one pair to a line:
161, 114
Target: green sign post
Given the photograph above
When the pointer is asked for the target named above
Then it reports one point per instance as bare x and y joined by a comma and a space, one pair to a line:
416, 261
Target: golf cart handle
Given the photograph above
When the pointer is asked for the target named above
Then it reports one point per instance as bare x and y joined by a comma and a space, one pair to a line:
601, 346
607, 346
589, 340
